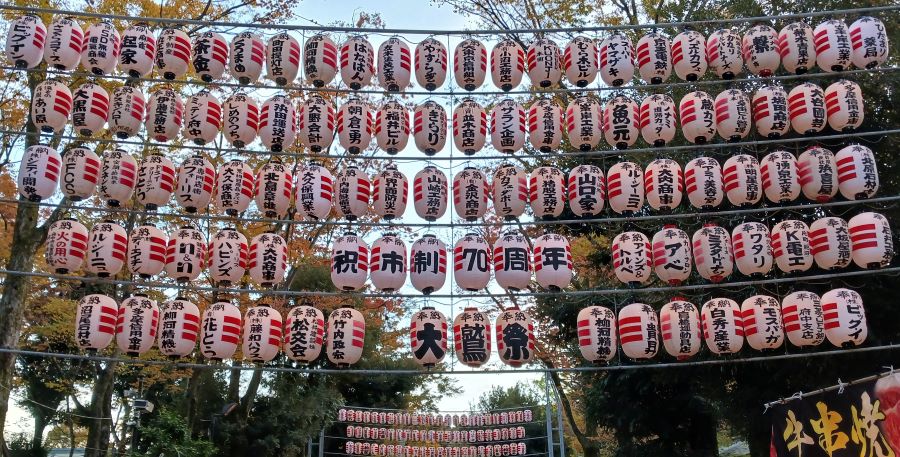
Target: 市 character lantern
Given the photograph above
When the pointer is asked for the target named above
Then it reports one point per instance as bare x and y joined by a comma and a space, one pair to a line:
857, 172
282, 58
100, 49
657, 119
680, 324
107, 244
117, 177
95, 322
712, 253
515, 337
349, 262
221, 326
844, 105
818, 172
127, 112
147, 251
545, 124
51, 106
67, 241
278, 123
654, 57
262, 333
868, 38
829, 241
320, 60
304, 334
797, 47
164, 114
392, 127
90, 109
804, 322
780, 177
136, 324
580, 61
760, 50
703, 183
267, 259
616, 60
586, 190
671, 253
833, 48
64, 40
770, 112
762, 322
357, 62
431, 63
428, 264
597, 336
469, 126
471, 262
139, 49
689, 55
346, 335
552, 262
583, 123
156, 178
507, 64
228, 255
845, 318
274, 189
354, 125
470, 63
472, 337
209, 56
631, 256
638, 331
234, 187
428, 336
512, 262
723, 326
186, 254
430, 191
38, 172
390, 190
247, 51
179, 328
470, 194
394, 64
871, 240
806, 108
430, 127
697, 117
173, 53
547, 191
663, 184
387, 264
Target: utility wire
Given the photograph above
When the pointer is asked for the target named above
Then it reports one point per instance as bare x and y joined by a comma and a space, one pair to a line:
840, 386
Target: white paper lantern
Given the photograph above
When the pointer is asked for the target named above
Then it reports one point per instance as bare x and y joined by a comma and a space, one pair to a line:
139, 50
806, 108
316, 123
512, 262
430, 191
194, 187
580, 61
703, 183
844, 105
723, 326
136, 325
428, 264
507, 64
320, 64
221, 328
638, 331
469, 126
394, 64
654, 57
743, 183
164, 115
552, 262
543, 62
100, 49
797, 47
274, 189
127, 112
472, 338
346, 335
428, 336
173, 53
698, 118
209, 56
872, 240
829, 241
248, 52
67, 242
392, 127
689, 55
833, 48
780, 177
51, 106
117, 177
597, 333
278, 123
723, 52
471, 262
315, 190
179, 328
762, 322
732, 115
304, 334
632, 257
657, 119
354, 126
663, 184
625, 187
95, 322
770, 112
583, 117
241, 120
147, 251
547, 191
869, 40
857, 172
234, 187
155, 181
64, 40
430, 127
804, 322
228, 256
186, 254
620, 122
282, 58
106, 249
267, 259
545, 125
431, 63
586, 190
712, 253
90, 109
680, 321
671, 253
616, 60
387, 264
470, 194
262, 333
390, 190
791, 246
845, 318
515, 337
353, 191
203, 118
760, 50
349, 262
752, 249
357, 62
39, 172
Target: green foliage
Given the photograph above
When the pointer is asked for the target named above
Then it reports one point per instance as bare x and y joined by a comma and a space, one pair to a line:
164, 433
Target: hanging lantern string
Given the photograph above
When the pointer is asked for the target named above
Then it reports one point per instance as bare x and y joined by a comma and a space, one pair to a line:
840, 386
515, 408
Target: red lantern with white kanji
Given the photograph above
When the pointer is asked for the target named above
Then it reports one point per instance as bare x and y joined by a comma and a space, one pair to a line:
723, 52
221, 328
179, 328
430, 127
712, 253
164, 114
262, 333
509, 189
357, 62
625, 187
804, 322
387, 263
349, 262
871, 240
703, 183
354, 126
63, 47
274, 189
844, 105
100, 48
507, 64
671, 253
732, 114
194, 187
155, 181
760, 50
90, 109
127, 112
470, 194
797, 48
663, 184
428, 264
202, 118
173, 53
471, 262
314, 190
228, 255
697, 117
791, 246
95, 322
139, 50
616, 60
515, 337
186, 254
147, 251
106, 249
470, 61
472, 337
586, 190
428, 336
547, 191
316, 129
431, 63
845, 318
545, 124
51, 106
247, 51
580, 61
657, 119
512, 262
209, 56
806, 108
833, 47
638, 331
597, 336
723, 326
430, 193
689, 55
829, 241
543, 61
552, 262
392, 127
869, 40
267, 259
469, 126
857, 173
67, 241
620, 122
25, 41
304, 334
654, 57
282, 58
752, 248
39, 172
583, 117
743, 183
762, 322
117, 177
136, 325
278, 123
241, 120
632, 257
390, 189
353, 190
234, 187
680, 321
320, 60
346, 335
394, 64
780, 177
770, 112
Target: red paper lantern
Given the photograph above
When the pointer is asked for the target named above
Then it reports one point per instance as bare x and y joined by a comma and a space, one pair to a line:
770, 112
471, 262
63, 48
428, 337
507, 64
723, 326
553, 262
274, 189
586, 190
139, 49
147, 251
430, 127
283, 58
241, 116
67, 241
155, 181
179, 328
320, 60
278, 123
221, 327
470, 194
316, 125
818, 172
545, 125
392, 127
194, 187
780, 177
90, 109
51, 106
806, 108
136, 325
631, 256
845, 318
869, 40
354, 126
349, 262
127, 113
186, 254
760, 50
315, 191
597, 338
100, 48
671, 253
38, 172
857, 172
804, 322
107, 244
472, 339
712, 253
512, 262
638, 331
262, 333
390, 190
247, 51
833, 48
583, 123
357, 62
689, 55
547, 191
654, 57
469, 126
431, 63
304, 334
430, 193
228, 255
752, 249
428, 264
663, 184
829, 241
346, 334
95, 322
743, 184
164, 114
267, 259
703, 183
844, 105
797, 47
697, 117
515, 337
234, 187
173, 53
657, 119
394, 64
580, 61
620, 122
723, 52
625, 188
543, 60
209, 56
732, 115
680, 321
616, 60
762, 322
388, 263
872, 240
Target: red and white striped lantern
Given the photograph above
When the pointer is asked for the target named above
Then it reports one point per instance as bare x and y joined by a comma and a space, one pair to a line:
703, 183
430, 191
663, 184
732, 115
507, 126
654, 57
282, 58
689, 55
583, 116
586, 190
698, 117
430, 63
390, 190
428, 264
274, 189
507, 64
752, 249
780, 177
234, 187
51, 106
638, 331
762, 322
262, 333
186, 254
616, 60
631, 257
723, 52
845, 318
868, 38
196, 177
392, 127
818, 173
100, 48
267, 259
278, 123
712, 253
209, 56
90, 109
625, 187
428, 337
221, 327
804, 322
105, 254
797, 47
228, 255
871, 240
394, 64
39, 172
580, 61
357, 62
316, 129
681, 331
430, 127
241, 120
671, 253
349, 262
304, 334
597, 336
844, 105
620, 122
164, 114
179, 328
95, 322
353, 191
147, 251
543, 62
67, 242
770, 112
723, 326
806, 108
387, 264
248, 52
470, 194
173, 53
117, 177
155, 181
315, 190
472, 338
829, 240
127, 112
354, 126
63, 46
547, 191
657, 119
346, 335
471, 262
469, 126
552, 262
514, 331
545, 124
791, 246
136, 324
760, 50
139, 50
320, 59
203, 118
743, 183
512, 262
857, 172
833, 47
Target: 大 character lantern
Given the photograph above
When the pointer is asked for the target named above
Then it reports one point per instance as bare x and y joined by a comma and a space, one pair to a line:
428, 336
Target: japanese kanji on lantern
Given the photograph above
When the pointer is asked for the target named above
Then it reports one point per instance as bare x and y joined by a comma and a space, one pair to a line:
314, 191
147, 251
507, 126
470, 61
515, 337
320, 59
469, 126
621, 122
234, 187
390, 190
430, 191
817, 170
127, 111
430, 127
680, 324
654, 57
657, 119
797, 47
723, 52
583, 117
638, 331
663, 184
164, 114
203, 118
712, 253
100, 49
139, 49
278, 123
545, 124
760, 50
845, 318
872, 244
616, 60
186, 254
228, 253
770, 112
806, 108
155, 181
780, 177
90, 109
762, 322
857, 172
106, 249
723, 326
354, 125
472, 337
267, 259
51, 106
387, 263
193, 189
547, 192
697, 117
428, 264
597, 336
512, 262
346, 335
829, 240
262, 333
357, 62
63, 48
791, 246
394, 64
241, 120
428, 336
95, 322
732, 115
117, 177
247, 51
282, 58
274, 189
631, 256
543, 63
137, 322
507, 64
430, 63
349, 262
209, 56
304, 334
625, 188
586, 191
752, 246
580, 61
221, 331
703, 183
742, 180
833, 49
392, 127
316, 123
553, 267
67, 241
172, 54
844, 105
869, 40
671, 253
179, 328
353, 192
39, 172
804, 322
25, 41
470, 194
471, 262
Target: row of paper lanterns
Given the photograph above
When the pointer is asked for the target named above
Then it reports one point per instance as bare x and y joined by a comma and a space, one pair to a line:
434, 419
435, 436
279, 124
831, 45
400, 450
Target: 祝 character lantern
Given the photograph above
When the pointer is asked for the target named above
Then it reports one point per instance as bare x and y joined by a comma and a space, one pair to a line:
580, 61
780, 177
248, 53
818, 173
698, 117
631, 257
712, 253
543, 60
64, 41
100, 49
654, 57
349, 262
67, 241
430, 193
394, 64
583, 123
221, 331
228, 255
428, 264
346, 335
390, 190
106, 249
241, 115
431, 63
472, 337
471, 262
39, 172
470, 61
515, 337
387, 263
304, 334
353, 191
638, 331
186, 254
657, 119
470, 194
680, 321
509, 189
791, 246
829, 240
179, 328
267, 259
51, 106
741, 177
357, 62
136, 324
625, 188
586, 190
262, 333
278, 123
797, 47
760, 50
857, 172
354, 126
392, 127
274, 189
428, 336
127, 112
234, 187
90, 109
173, 53
616, 60
770, 112
806, 108
194, 187
507, 126
552, 262
320, 60
209, 56
871, 240
732, 115
203, 118
147, 251
512, 262
620, 122
547, 191
282, 58
752, 246
868, 38
689, 55
545, 125
844, 105
507, 64
762, 322
703, 183
671, 253
469, 126
597, 336
164, 115
833, 48
845, 318
95, 322
804, 322
156, 178
663, 184
430, 127
723, 52
723, 326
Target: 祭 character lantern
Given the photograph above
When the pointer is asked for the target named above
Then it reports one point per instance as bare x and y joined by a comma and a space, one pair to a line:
234, 187
428, 336
698, 118
583, 117
657, 119
580, 61
95, 322
431, 63
545, 124
349, 262
357, 62
186, 254
274, 189
543, 60
663, 184
552, 262
51, 106
241, 120
515, 337
703, 183
833, 48
304, 334
64, 41
430, 127
845, 318
760, 50
671, 253
267, 259
38, 172
203, 118
282, 58
346, 334
597, 337
100, 49
791, 246
388, 263
278, 123
354, 125
155, 181
631, 257
857, 173
470, 194
871, 240
625, 188
90, 109
732, 115
689, 55
136, 325
762, 322
638, 331
723, 52
586, 190
221, 327
868, 38
247, 52
752, 249
127, 112
430, 193
616, 60
147, 251
469, 126
654, 57
390, 189
316, 125
507, 64
262, 333
173, 53
829, 241
164, 114
804, 322
723, 326
471, 262
320, 60
472, 337
428, 264
470, 61
797, 47
179, 328
844, 105
353, 190
547, 191
620, 122
806, 108
392, 127
67, 241
107, 244
315, 190
512, 262
194, 187
770, 112
209, 56
394, 64
743, 183
712, 253
228, 255
680, 323
117, 177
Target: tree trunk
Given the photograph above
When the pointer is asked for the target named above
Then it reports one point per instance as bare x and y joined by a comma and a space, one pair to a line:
37, 439
192, 403
100, 426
